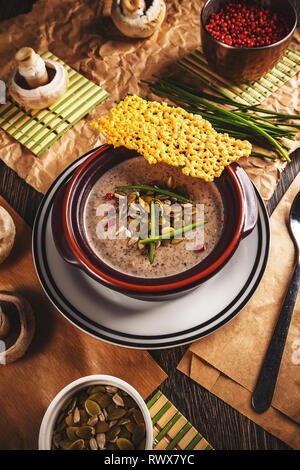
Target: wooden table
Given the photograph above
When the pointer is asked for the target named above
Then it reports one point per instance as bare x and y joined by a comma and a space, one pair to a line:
223, 427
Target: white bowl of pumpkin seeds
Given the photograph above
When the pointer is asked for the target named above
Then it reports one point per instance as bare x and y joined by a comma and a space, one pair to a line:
97, 412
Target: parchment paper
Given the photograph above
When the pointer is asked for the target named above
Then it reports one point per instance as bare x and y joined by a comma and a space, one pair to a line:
228, 362
80, 34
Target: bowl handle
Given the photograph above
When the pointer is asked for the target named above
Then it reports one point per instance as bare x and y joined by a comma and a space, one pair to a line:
251, 206
57, 229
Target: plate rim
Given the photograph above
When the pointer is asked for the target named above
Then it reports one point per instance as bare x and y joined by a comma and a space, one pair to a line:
46, 205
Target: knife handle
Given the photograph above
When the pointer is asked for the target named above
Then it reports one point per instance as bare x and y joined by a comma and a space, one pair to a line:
265, 386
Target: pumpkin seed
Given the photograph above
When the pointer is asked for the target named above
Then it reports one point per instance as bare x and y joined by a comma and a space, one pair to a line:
113, 432
116, 413
118, 400
132, 241
85, 432
77, 445
125, 433
116, 426
69, 420
101, 440
175, 241
101, 416
92, 407
101, 426
131, 198
71, 432
131, 427
92, 421
56, 440
93, 444
144, 205
111, 389
111, 446
142, 445
166, 230
76, 416
141, 246
96, 389
113, 423
124, 444
60, 417
104, 401
137, 414
96, 396
61, 426
72, 407
65, 444
138, 434
124, 421
83, 416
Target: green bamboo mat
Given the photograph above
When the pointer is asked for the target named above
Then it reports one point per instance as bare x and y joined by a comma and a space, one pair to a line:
247, 93
37, 130
171, 429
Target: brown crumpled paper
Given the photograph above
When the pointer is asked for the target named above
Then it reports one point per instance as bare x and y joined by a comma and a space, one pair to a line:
227, 362
80, 34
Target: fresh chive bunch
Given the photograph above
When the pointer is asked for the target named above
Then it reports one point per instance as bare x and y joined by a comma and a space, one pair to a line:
262, 126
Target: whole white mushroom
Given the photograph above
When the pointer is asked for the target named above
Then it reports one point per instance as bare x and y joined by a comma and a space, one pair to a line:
39, 88
7, 234
138, 18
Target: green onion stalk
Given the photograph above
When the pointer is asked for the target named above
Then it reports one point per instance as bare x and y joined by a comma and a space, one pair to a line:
241, 121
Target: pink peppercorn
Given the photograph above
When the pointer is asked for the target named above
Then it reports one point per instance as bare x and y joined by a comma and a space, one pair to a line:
244, 24
200, 248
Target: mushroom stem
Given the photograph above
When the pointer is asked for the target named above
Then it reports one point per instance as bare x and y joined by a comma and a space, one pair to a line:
32, 67
27, 327
130, 6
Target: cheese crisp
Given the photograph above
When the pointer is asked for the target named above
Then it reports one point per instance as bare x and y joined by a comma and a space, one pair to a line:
162, 133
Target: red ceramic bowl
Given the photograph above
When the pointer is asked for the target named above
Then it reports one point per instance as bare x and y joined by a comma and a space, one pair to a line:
240, 217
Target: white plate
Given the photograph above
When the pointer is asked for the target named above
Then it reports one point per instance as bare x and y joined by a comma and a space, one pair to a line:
118, 319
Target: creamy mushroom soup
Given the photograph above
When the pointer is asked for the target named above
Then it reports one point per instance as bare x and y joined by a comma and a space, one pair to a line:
171, 256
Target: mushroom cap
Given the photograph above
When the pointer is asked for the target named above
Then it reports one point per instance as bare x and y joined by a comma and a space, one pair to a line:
7, 233
42, 96
27, 327
141, 26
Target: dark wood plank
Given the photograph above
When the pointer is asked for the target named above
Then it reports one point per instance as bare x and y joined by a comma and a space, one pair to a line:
11, 8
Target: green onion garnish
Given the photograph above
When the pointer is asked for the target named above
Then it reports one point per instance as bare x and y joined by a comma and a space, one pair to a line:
173, 233
152, 231
155, 189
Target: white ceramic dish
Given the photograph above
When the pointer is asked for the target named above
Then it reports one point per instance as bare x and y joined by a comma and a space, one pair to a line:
49, 419
121, 320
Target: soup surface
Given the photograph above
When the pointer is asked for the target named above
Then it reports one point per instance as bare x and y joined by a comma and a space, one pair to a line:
173, 258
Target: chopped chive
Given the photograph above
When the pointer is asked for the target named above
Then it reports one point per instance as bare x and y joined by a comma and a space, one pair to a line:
172, 234
155, 189
152, 232
237, 118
